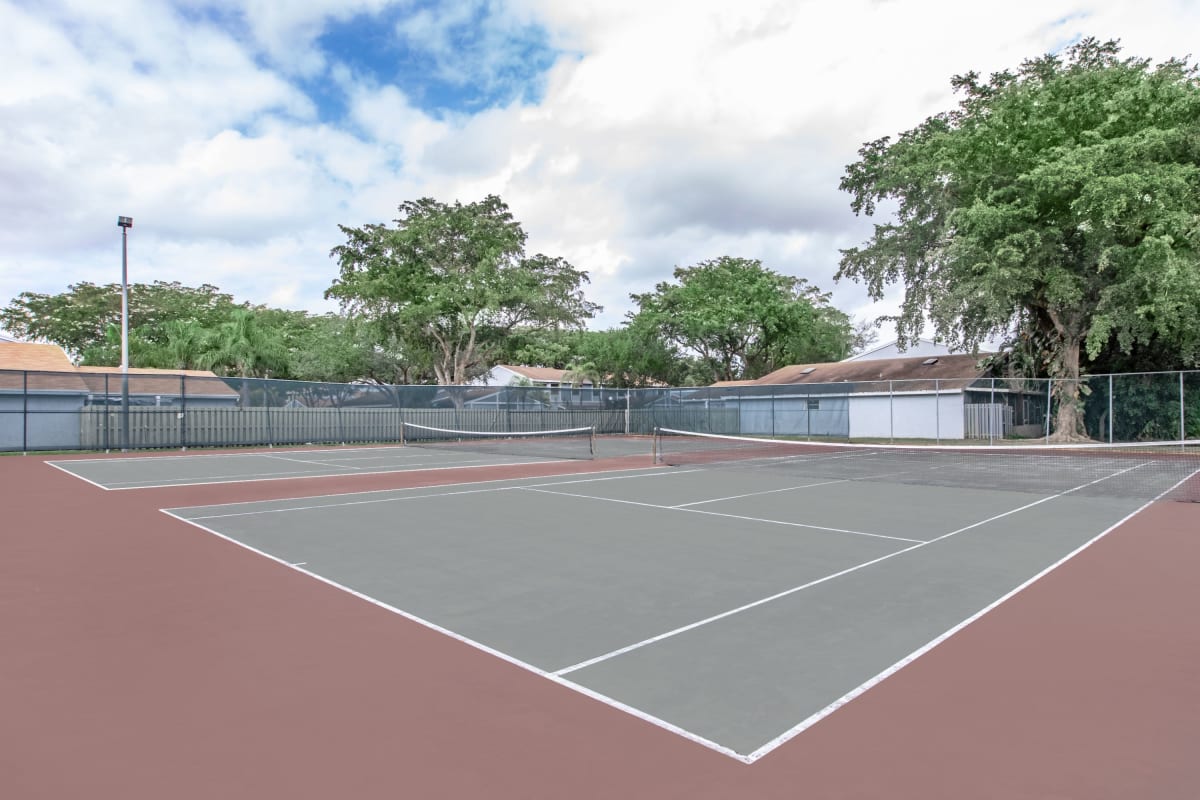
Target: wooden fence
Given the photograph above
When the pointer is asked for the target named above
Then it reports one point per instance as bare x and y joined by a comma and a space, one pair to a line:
987, 420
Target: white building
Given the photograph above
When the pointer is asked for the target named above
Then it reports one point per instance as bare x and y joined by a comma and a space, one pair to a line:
921, 348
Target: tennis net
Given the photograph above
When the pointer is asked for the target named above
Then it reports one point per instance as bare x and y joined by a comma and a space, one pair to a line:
1170, 470
568, 443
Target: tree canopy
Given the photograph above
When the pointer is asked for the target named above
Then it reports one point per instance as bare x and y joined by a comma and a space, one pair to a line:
743, 320
80, 319
452, 281
1056, 205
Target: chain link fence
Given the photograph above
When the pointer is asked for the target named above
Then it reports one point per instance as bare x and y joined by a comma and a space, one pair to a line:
82, 410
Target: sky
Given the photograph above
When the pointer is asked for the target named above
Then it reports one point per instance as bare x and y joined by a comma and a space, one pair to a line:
628, 136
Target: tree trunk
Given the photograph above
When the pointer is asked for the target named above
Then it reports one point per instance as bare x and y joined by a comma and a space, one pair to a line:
1068, 419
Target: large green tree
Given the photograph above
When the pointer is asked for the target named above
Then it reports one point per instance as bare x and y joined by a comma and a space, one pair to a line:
1057, 204
453, 281
743, 320
79, 319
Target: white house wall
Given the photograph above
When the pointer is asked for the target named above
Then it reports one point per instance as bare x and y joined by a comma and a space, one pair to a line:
907, 416
791, 416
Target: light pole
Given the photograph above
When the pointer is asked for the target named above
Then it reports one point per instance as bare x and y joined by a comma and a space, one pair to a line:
124, 223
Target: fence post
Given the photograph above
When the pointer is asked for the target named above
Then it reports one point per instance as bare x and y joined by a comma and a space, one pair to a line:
24, 412
341, 422
267, 406
891, 414
1110, 408
628, 395
1049, 403
772, 412
106, 414
183, 445
808, 414
937, 410
1182, 421
992, 413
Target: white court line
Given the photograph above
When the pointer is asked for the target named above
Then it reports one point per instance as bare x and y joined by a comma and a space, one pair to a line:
484, 490
719, 514
723, 615
297, 475
328, 464
74, 475
649, 472
756, 494
913, 656
226, 454
591, 693
794, 488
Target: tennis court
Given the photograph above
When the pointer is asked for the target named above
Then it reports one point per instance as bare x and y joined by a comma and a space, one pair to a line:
732, 598
697, 616
477, 451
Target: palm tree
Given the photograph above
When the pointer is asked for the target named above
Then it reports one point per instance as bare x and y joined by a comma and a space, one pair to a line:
581, 372
185, 344
241, 345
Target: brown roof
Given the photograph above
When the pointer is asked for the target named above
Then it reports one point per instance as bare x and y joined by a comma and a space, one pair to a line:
156, 381
46, 367
911, 374
37, 367
537, 373
27, 355
882, 369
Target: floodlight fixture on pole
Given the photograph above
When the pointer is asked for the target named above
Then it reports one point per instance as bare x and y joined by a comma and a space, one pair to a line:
124, 223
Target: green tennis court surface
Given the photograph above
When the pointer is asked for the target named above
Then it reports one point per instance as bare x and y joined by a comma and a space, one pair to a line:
143, 472
732, 606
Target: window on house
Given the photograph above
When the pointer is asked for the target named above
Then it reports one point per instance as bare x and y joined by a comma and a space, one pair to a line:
814, 404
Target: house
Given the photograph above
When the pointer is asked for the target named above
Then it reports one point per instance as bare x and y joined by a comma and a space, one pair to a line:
42, 394
157, 387
40, 397
925, 397
560, 390
921, 348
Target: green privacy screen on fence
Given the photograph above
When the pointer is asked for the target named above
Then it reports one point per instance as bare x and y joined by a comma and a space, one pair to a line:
69, 411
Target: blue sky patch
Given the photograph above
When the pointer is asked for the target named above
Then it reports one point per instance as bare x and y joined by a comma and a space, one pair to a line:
446, 58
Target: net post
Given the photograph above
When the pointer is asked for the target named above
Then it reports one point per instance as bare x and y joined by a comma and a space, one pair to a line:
403, 438
592, 442
654, 446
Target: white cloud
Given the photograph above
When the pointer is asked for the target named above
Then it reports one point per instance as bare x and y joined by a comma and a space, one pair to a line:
666, 133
